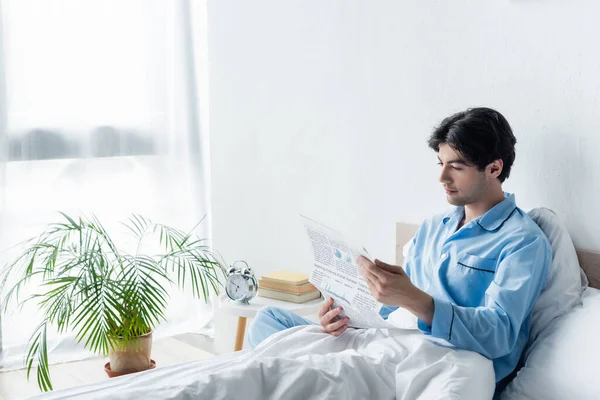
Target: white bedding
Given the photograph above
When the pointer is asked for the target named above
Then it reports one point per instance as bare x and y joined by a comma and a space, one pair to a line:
305, 363
563, 364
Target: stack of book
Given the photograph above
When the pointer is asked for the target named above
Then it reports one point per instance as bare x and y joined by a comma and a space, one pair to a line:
287, 286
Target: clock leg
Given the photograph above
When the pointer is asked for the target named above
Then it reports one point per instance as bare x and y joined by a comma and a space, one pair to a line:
239, 336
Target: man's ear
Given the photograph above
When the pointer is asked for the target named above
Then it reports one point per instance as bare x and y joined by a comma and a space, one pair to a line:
496, 167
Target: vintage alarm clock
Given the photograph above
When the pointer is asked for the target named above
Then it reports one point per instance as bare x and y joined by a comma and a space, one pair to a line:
241, 285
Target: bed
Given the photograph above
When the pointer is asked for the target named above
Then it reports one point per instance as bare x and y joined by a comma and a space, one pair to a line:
305, 363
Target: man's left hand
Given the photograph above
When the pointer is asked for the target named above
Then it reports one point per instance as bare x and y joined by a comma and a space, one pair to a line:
390, 285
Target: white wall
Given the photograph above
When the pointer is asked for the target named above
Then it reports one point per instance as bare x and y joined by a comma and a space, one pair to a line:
324, 108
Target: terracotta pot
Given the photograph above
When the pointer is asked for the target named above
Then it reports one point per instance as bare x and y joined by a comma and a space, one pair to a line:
134, 357
112, 374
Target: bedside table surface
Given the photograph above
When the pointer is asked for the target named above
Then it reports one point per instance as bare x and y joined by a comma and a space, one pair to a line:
250, 310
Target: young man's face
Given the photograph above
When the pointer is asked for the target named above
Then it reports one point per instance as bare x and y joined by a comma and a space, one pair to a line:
464, 183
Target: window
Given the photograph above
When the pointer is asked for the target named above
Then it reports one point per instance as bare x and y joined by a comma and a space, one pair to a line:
84, 78
98, 114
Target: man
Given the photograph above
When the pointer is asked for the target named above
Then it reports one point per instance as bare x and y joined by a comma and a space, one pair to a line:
473, 274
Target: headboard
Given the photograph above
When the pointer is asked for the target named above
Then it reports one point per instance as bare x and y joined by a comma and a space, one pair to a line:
588, 260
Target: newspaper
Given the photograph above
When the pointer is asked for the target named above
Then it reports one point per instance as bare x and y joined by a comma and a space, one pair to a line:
337, 274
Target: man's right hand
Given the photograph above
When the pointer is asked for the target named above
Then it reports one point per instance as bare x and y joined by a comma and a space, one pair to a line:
330, 320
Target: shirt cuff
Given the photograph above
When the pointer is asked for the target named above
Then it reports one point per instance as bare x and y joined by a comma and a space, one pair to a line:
443, 318
385, 311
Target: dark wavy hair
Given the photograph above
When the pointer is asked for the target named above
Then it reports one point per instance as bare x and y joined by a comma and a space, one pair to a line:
481, 135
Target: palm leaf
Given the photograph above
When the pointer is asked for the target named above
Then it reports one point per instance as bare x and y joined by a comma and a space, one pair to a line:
39, 350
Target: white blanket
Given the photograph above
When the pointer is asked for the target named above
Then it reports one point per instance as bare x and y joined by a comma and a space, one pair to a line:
306, 363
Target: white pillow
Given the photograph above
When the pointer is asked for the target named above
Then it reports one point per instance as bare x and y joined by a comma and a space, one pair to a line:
565, 281
564, 363
407, 248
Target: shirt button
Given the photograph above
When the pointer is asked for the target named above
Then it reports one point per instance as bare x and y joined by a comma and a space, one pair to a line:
444, 256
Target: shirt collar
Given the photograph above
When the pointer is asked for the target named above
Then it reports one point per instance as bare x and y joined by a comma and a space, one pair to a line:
454, 213
497, 215
493, 218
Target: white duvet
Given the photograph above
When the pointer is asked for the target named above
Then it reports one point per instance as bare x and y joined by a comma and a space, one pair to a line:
306, 363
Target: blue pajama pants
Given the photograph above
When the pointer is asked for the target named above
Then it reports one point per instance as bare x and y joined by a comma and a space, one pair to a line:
270, 320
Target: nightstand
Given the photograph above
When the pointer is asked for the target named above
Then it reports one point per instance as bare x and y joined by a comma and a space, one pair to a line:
245, 311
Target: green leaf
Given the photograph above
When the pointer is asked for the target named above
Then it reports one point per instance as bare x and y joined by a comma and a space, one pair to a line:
38, 349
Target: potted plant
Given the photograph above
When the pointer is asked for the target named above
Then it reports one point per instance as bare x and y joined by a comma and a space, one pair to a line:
111, 298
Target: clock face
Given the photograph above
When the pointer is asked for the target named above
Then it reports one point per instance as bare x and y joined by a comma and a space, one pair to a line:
236, 287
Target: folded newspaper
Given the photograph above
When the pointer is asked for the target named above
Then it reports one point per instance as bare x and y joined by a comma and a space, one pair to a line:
337, 274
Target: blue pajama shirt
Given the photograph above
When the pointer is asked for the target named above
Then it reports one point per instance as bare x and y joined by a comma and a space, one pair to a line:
485, 279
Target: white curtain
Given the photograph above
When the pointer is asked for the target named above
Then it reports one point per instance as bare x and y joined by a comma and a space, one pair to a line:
102, 110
